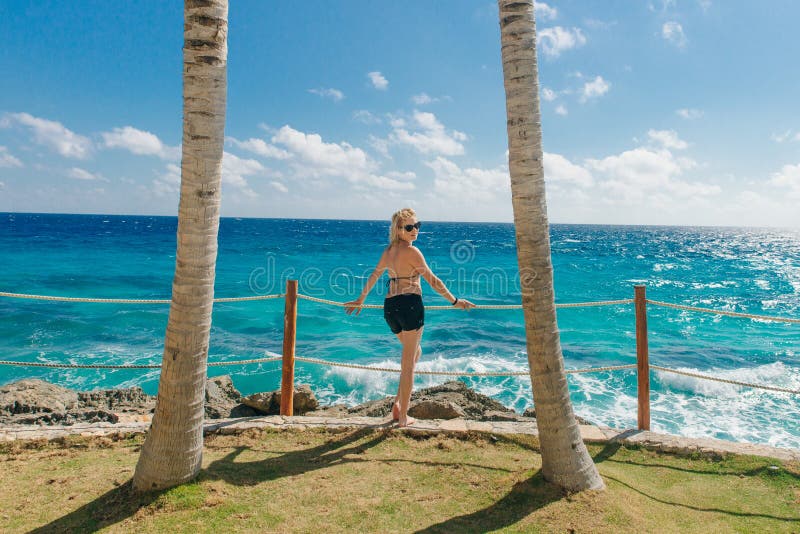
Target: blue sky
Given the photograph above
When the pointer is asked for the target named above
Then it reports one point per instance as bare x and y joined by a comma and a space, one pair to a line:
653, 112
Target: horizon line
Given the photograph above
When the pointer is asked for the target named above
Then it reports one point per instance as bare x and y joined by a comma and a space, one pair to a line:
387, 220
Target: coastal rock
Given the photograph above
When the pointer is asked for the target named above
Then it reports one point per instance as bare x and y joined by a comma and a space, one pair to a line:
29, 402
333, 411
469, 402
269, 403
221, 397
434, 409
240, 410
531, 413
494, 415
36, 397
303, 401
133, 400
263, 403
374, 408
39, 402
475, 405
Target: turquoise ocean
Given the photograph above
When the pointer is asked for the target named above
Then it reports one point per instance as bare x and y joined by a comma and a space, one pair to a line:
738, 269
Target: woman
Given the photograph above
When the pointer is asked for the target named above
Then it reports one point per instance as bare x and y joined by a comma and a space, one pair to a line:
403, 309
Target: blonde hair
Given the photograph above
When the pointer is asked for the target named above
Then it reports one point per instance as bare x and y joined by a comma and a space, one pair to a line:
405, 213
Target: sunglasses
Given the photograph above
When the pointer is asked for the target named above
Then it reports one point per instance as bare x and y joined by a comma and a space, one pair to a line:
410, 227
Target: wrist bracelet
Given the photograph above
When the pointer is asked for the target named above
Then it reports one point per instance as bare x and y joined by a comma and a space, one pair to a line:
455, 301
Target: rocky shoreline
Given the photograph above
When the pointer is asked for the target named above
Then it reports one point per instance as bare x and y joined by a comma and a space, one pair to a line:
35, 402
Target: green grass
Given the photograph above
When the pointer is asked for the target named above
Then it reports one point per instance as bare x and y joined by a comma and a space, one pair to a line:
388, 481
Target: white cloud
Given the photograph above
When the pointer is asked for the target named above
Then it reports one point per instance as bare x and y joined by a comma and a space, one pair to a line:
468, 185
380, 145
7, 160
2, 185
433, 137
76, 173
315, 158
53, 135
705, 5
383, 182
667, 139
751, 208
403, 176
139, 142
234, 173
321, 157
788, 135
781, 137
646, 175
423, 98
648, 181
378, 81
594, 89
642, 177
548, 94
642, 166
544, 11
673, 32
558, 169
666, 5
261, 147
169, 182
553, 41
280, 187
235, 169
689, 113
597, 24
364, 116
329, 92
561, 110
788, 177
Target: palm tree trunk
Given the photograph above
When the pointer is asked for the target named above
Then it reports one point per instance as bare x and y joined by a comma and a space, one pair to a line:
565, 460
173, 450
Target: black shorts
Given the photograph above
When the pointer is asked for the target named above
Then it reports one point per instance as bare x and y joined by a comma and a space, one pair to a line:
404, 312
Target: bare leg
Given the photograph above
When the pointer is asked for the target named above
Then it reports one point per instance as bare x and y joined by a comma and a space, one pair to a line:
396, 403
410, 341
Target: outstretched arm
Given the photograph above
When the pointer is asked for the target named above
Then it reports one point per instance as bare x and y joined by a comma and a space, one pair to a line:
421, 266
355, 305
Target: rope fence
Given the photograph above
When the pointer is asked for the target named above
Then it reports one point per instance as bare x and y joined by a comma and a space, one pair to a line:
380, 306
56, 298
452, 373
724, 380
318, 361
288, 358
478, 307
129, 366
724, 312
127, 301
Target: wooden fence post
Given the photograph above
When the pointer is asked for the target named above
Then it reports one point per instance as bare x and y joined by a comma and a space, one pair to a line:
289, 337
642, 358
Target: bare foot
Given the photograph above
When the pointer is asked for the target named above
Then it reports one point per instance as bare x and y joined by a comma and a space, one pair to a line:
408, 421
395, 411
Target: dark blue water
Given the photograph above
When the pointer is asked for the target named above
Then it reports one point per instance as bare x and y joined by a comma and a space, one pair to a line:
739, 269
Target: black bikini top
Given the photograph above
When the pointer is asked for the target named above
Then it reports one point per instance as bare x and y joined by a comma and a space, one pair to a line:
396, 278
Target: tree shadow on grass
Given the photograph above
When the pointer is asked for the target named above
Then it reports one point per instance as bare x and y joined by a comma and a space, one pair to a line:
607, 452
700, 508
611, 449
112, 507
123, 502
292, 463
525, 497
